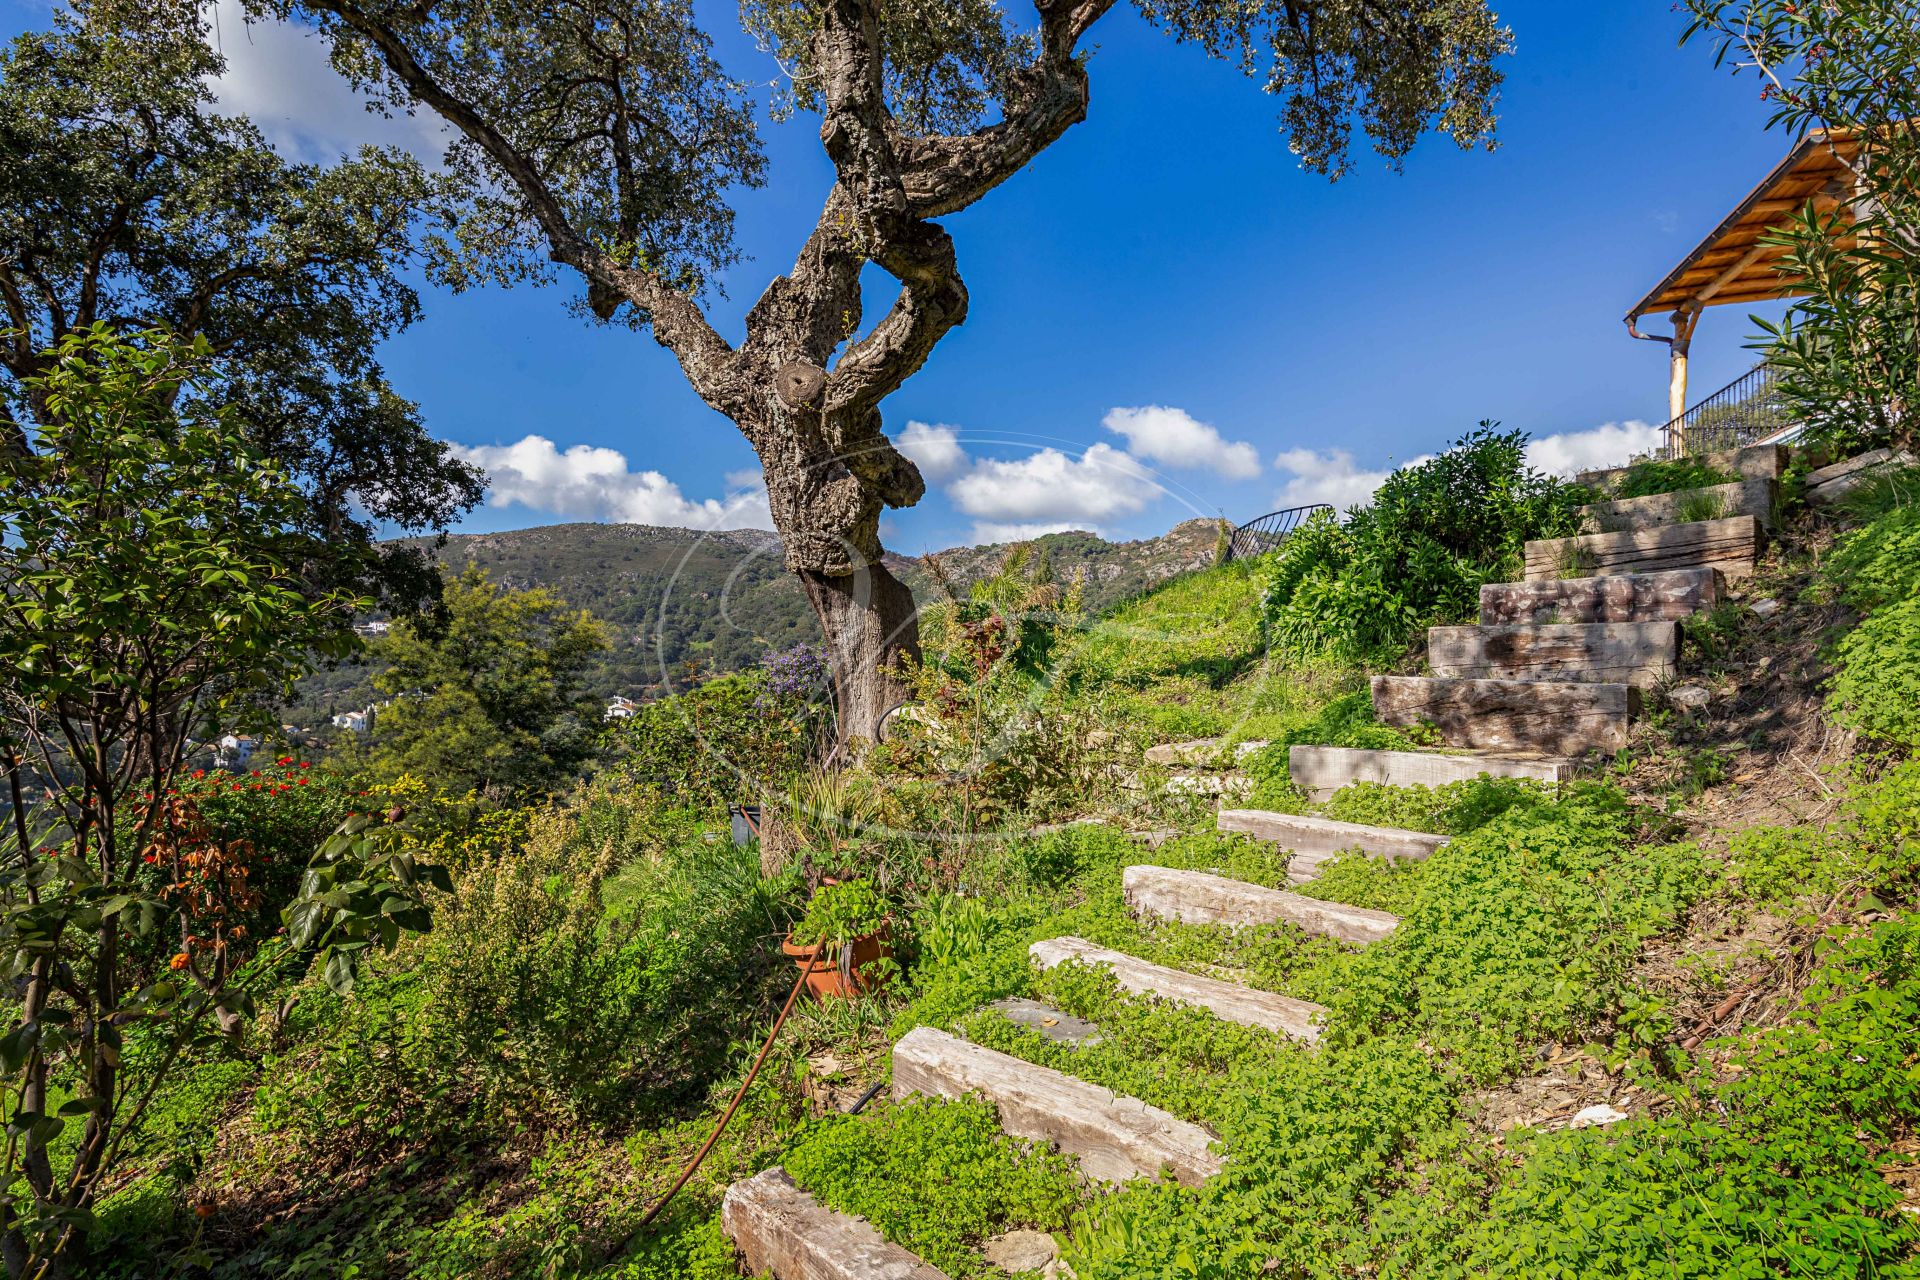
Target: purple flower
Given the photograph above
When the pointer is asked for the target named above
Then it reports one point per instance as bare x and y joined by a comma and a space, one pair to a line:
799, 674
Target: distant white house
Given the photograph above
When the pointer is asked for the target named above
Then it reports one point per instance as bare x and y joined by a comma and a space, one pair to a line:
355, 721
619, 708
372, 628
234, 752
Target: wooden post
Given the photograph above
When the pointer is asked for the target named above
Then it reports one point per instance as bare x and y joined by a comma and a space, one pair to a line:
1683, 322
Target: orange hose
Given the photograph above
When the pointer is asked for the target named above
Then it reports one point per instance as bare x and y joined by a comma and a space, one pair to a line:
733, 1106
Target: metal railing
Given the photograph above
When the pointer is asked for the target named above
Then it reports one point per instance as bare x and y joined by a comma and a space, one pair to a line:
1746, 410
1257, 537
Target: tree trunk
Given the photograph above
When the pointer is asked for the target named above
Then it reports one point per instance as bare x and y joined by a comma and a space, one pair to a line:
870, 622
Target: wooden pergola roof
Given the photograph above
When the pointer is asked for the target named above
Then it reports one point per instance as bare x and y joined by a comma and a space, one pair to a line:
1731, 265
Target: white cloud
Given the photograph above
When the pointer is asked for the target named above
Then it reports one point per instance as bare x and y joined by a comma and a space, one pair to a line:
1331, 477
1175, 437
1610, 445
590, 483
1051, 488
278, 76
935, 450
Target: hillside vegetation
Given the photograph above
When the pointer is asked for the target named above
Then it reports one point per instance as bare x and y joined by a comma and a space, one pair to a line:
681, 600
1712, 936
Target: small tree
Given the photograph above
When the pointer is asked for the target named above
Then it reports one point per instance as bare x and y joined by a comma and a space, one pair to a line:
1849, 351
151, 578
489, 698
127, 199
603, 137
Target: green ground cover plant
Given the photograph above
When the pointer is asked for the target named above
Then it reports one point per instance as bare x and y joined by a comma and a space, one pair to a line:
1877, 570
1655, 476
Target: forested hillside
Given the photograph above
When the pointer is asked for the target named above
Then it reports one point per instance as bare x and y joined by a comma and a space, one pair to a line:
721, 600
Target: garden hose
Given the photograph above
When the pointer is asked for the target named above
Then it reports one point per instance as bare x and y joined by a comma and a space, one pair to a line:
732, 1107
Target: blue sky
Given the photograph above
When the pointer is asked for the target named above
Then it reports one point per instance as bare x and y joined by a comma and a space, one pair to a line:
1165, 268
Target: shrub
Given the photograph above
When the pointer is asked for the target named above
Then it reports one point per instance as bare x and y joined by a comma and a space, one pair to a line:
1361, 590
540, 996
738, 737
1772, 1174
1877, 687
1659, 475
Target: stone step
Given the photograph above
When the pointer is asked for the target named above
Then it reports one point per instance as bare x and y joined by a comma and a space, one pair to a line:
1619, 597
1636, 653
1314, 840
1228, 1001
1202, 753
1830, 484
1512, 715
1755, 462
1731, 546
1321, 771
780, 1229
1756, 498
1195, 897
1055, 1025
1114, 1136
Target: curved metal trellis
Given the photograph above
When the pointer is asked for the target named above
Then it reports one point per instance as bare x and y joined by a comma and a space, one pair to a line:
1257, 537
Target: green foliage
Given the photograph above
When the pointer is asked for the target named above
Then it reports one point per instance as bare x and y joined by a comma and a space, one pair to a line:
1363, 589
1772, 1173
153, 574
839, 913
1877, 687
489, 698
1872, 844
539, 996
1345, 721
1452, 809
936, 1177
1662, 475
726, 740
1848, 350
363, 889
137, 203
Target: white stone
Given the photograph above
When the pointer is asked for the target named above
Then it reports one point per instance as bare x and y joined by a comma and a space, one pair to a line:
1766, 608
1690, 696
1018, 1251
1597, 1114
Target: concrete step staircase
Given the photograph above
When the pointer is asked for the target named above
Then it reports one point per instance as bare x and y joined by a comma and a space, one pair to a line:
1664, 596
1555, 671
1314, 840
779, 1228
1644, 654
1228, 1001
1115, 1137
1197, 897
1560, 663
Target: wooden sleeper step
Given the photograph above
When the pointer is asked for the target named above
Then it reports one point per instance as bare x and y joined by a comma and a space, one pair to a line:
1620, 597
1314, 840
1636, 653
1228, 1001
779, 1228
1195, 897
1512, 715
1756, 498
1755, 462
1732, 546
1321, 771
1114, 1136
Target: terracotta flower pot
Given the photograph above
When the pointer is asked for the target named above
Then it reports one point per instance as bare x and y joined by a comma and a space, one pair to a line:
843, 972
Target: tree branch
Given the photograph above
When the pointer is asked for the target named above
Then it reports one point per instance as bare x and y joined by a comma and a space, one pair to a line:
678, 323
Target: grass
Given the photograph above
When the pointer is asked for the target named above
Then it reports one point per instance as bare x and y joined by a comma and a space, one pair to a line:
1188, 660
